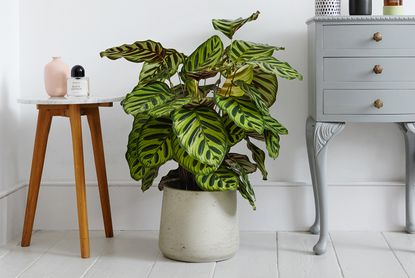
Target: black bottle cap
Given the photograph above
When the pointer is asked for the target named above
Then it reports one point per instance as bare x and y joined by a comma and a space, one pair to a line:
77, 71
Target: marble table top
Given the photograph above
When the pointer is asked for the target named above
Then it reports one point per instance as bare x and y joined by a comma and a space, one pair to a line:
69, 100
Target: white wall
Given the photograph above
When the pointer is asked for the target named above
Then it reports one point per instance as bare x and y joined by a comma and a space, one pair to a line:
9, 113
78, 30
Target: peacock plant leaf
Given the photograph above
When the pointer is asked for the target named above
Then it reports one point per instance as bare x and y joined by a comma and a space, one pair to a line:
235, 133
154, 143
166, 109
229, 27
192, 89
254, 95
146, 97
201, 133
189, 163
204, 58
243, 74
243, 112
243, 50
277, 67
258, 156
132, 157
267, 86
242, 160
223, 179
274, 126
149, 176
246, 190
272, 142
138, 52
163, 69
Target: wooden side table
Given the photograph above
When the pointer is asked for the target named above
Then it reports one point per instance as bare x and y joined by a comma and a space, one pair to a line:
360, 70
73, 108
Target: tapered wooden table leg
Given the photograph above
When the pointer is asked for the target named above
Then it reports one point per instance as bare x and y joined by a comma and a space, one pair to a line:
76, 127
96, 137
44, 121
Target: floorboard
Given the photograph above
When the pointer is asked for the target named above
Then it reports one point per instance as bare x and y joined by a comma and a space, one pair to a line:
366, 255
296, 257
403, 245
172, 269
257, 257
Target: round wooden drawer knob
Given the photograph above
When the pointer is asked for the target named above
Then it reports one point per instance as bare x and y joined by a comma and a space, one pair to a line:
377, 36
378, 103
378, 69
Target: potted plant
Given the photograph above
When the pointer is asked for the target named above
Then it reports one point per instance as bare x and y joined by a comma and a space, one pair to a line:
222, 97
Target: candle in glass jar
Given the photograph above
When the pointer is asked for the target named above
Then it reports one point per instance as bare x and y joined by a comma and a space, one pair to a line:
393, 7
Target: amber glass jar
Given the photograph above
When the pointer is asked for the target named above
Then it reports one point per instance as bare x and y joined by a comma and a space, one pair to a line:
393, 2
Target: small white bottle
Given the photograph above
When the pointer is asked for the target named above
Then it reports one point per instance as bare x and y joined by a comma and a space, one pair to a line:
78, 84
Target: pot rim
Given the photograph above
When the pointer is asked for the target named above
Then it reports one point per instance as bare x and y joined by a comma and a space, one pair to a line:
193, 191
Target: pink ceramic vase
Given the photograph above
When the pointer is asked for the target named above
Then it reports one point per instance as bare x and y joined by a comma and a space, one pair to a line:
56, 76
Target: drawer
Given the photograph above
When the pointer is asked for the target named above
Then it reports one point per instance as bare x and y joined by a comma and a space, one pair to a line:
361, 36
361, 102
394, 69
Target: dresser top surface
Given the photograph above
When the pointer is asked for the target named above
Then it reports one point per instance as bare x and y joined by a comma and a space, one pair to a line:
362, 18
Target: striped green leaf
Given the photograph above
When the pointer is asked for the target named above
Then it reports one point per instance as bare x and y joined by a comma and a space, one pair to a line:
222, 179
246, 190
235, 133
201, 133
189, 163
166, 109
243, 112
138, 52
267, 86
147, 97
163, 69
277, 67
192, 89
255, 95
244, 74
229, 27
242, 160
274, 126
258, 156
205, 57
132, 157
148, 178
244, 50
154, 144
272, 142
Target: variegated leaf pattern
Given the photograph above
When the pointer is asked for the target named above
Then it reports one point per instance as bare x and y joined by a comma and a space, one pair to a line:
272, 142
243, 162
244, 50
274, 126
136, 168
246, 190
189, 163
138, 52
243, 74
254, 95
164, 69
243, 112
267, 86
235, 133
223, 179
149, 176
205, 57
201, 133
147, 97
192, 89
166, 109
277, 67
258, 156
229, 27
154, 145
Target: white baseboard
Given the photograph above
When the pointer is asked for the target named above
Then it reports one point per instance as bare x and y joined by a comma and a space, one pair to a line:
280, 206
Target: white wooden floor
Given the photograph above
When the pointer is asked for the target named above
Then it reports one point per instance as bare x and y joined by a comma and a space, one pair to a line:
261, 255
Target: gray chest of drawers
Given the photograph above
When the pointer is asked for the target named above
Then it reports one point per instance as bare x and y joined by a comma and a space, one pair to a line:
361, 69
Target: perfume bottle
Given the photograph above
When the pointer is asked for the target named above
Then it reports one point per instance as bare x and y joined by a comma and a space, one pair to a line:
78, 84
393, 7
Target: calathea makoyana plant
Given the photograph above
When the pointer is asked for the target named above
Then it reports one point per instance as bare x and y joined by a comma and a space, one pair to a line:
223, 96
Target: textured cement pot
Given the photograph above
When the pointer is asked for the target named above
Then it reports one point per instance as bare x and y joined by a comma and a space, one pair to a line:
199, 226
